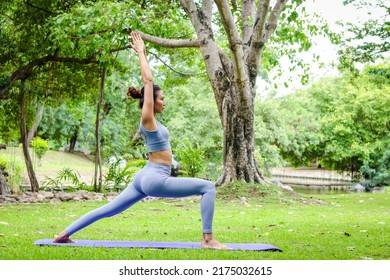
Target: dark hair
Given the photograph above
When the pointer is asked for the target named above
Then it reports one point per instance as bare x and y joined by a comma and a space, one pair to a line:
139, 94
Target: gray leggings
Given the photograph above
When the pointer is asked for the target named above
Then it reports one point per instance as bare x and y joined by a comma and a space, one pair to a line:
154, 180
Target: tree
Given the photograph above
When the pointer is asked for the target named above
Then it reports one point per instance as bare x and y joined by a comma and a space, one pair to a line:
247, 28
26, 67
368, 41
350, 114
288, 131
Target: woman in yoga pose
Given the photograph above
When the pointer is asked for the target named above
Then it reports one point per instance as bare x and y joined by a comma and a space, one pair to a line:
154, 179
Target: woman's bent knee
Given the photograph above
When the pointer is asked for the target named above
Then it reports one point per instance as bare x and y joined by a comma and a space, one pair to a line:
210, 187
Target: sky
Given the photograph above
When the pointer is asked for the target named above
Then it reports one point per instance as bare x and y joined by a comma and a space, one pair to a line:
332, 11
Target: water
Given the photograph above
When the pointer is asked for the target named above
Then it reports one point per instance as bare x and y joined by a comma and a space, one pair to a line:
325, 190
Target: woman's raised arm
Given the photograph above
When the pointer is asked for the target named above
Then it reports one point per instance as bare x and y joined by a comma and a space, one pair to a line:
147, 118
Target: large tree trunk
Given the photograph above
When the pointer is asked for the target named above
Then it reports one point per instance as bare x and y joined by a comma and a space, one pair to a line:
23, 134
238, 134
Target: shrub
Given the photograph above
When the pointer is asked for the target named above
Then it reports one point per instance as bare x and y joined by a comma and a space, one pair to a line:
120, 173
40, 147
191, 159
65, 177
377, 174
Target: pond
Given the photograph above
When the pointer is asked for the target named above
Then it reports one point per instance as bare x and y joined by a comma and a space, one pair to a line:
331, 190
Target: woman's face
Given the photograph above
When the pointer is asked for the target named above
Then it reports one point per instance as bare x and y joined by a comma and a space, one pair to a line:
159, 103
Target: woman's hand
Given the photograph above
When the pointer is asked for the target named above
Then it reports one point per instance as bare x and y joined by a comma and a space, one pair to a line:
138, 44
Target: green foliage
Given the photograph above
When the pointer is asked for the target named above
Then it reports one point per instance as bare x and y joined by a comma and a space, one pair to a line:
100, 26
119, 176
342, 122
116, 178
377, 172
14, 170
9, 127
40, 146
191, 158
191, 113
66, 179
366, 42
296, 33
286, 131
354, 122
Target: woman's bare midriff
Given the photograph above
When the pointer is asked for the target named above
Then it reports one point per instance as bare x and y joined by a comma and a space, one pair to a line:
164, 157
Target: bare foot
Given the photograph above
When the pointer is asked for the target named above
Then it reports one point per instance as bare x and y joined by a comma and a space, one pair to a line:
63, 237
209, 242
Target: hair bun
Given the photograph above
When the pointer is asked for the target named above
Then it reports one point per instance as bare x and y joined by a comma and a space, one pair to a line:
134, 93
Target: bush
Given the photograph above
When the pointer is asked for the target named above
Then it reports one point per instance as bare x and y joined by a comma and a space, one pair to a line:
13, 168
65, 177
120, 173
377, 174
192, 159
40, 147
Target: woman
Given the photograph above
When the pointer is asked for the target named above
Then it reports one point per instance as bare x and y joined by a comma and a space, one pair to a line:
154, 179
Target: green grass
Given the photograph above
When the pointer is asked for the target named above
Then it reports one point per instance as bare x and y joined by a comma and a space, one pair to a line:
327, 227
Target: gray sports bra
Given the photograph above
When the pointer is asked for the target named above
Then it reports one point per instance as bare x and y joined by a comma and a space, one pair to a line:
156, 140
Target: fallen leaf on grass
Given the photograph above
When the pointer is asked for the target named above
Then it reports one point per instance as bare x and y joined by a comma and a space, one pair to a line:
4, 223
318, 233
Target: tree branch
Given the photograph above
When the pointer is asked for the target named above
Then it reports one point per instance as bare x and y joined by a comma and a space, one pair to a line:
273, 18
261, 33
24, 72
178, 72
170, 43
258, 37
28, 3
234, 39
207, 8
190, 9
247, 15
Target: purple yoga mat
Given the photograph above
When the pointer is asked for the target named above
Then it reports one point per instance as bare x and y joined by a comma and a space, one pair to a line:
155, 244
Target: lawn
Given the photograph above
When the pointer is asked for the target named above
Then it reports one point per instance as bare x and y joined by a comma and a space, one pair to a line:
316, 227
